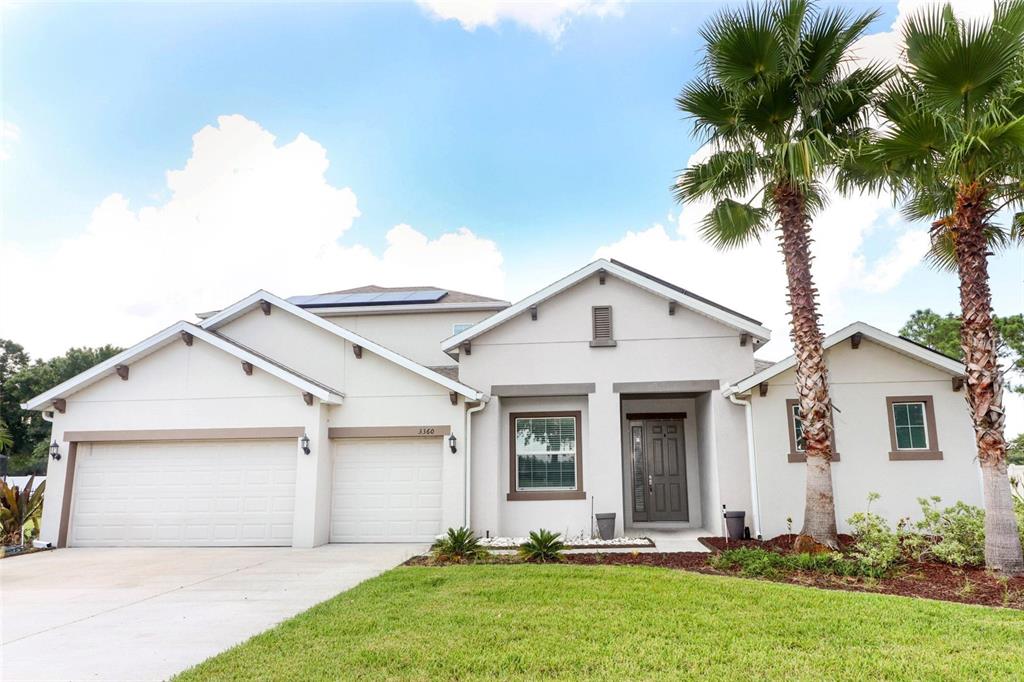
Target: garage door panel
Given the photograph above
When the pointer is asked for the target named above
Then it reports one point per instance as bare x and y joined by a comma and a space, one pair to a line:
184, 493
386, 490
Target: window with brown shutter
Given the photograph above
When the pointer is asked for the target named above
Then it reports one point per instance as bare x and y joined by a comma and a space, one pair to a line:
602, 319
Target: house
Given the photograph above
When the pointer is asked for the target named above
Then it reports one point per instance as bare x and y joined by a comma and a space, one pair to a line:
377, 415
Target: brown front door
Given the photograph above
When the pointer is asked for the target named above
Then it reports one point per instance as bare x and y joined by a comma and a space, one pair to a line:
658, 481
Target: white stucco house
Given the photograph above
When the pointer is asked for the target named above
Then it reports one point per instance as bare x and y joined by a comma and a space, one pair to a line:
375, 415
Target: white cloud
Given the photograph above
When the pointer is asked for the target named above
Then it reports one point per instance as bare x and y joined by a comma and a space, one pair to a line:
549, 18
752, 279
244, 213
885, 45
9, 135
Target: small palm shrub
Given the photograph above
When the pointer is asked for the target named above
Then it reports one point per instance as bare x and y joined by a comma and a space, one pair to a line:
18, 506
876, 546
954, 535
458, 545
543, 547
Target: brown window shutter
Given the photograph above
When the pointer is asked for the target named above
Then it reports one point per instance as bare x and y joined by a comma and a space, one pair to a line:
602, 317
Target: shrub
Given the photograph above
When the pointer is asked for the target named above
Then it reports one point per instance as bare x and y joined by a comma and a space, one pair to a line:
19, 506
876, 547
542, 547
954, 535
458, 545
763, 563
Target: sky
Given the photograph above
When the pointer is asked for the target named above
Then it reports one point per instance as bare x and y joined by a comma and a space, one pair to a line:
159, 159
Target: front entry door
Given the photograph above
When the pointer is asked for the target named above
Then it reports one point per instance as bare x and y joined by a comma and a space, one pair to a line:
658, 456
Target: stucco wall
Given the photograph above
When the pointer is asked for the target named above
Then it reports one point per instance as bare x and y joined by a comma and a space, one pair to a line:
182, 387
652, 346
860, 380
417, 336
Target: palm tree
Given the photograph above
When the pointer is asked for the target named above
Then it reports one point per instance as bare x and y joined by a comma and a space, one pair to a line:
781, 106
951, 148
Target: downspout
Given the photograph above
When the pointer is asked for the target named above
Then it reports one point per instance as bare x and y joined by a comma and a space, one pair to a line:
467, 487
752, 459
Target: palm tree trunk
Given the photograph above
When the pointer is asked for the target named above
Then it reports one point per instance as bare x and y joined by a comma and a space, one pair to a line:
984, 380
819, 527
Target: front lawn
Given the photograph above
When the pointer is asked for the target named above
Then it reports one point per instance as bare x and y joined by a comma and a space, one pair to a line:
611, 622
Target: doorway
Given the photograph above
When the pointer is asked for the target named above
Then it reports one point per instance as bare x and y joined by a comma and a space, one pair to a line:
657, 456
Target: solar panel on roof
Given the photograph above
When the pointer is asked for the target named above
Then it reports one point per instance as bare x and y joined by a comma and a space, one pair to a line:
368, 298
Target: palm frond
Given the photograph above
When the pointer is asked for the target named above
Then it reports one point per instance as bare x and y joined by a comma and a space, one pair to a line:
731, 224
725, 173
958, 63
713, 111
743, 46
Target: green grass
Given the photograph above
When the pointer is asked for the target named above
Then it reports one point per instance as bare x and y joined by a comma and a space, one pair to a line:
607, 622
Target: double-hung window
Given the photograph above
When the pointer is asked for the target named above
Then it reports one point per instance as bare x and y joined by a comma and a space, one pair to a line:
912, 433
797, 442
545, 456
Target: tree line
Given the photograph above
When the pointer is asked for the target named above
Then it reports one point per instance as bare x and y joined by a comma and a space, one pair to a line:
27, 440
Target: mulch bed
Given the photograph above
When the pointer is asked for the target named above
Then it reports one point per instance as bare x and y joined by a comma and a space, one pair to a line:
914, 579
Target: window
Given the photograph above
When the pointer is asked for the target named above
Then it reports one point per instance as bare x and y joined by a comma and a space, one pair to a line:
912, 428
545, 456
602, 325
797, 443
460, 327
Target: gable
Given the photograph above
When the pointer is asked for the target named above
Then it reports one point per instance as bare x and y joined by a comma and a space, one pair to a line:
637, 314
188, 335
608, 270
266, 302
328, 357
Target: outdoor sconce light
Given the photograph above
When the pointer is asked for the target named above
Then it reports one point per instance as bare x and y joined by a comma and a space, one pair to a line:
55, 450
451, 442
305, 444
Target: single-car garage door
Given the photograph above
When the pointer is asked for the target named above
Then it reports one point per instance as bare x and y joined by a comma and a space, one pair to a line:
184, 493
386, 490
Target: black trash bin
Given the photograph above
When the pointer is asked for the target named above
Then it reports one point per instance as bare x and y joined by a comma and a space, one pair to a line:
734, 522
606, 525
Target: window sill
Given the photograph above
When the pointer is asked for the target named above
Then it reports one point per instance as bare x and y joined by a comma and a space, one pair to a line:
914, 455
800, 457
603, 343
521, 496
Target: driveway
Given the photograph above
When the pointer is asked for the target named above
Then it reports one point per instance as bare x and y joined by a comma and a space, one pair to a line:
148, 613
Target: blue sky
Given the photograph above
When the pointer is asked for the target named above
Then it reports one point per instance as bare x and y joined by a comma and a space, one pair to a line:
549, 138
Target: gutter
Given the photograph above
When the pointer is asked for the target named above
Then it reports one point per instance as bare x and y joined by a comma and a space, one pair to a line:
467, 467
730, 393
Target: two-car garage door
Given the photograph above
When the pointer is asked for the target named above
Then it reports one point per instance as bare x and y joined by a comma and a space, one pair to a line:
184, 493
237, 493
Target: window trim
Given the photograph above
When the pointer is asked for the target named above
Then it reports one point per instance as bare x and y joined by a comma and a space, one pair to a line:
794, 456
522, 495
895, 453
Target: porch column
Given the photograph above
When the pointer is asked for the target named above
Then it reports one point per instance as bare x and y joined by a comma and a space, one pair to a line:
602, 454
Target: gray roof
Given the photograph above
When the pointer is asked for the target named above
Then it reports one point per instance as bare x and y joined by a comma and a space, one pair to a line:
761, 365
450, 371
449, 297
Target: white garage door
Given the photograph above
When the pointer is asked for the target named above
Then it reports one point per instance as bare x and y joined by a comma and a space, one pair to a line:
386, 490
195, 493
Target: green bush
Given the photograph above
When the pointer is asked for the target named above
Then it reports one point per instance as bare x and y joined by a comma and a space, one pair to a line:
543, 547
459, 545
763, 563
954, 535
876, 546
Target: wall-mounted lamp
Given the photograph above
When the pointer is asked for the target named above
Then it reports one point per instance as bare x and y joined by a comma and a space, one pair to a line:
55, 450
451, 442
305, 444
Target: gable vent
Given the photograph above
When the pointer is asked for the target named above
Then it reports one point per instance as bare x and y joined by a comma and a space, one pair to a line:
602, 321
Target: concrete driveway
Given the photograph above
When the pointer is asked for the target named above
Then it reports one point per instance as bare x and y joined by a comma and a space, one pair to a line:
148, 613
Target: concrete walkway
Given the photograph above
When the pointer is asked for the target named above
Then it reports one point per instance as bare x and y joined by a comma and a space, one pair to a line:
148, 613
